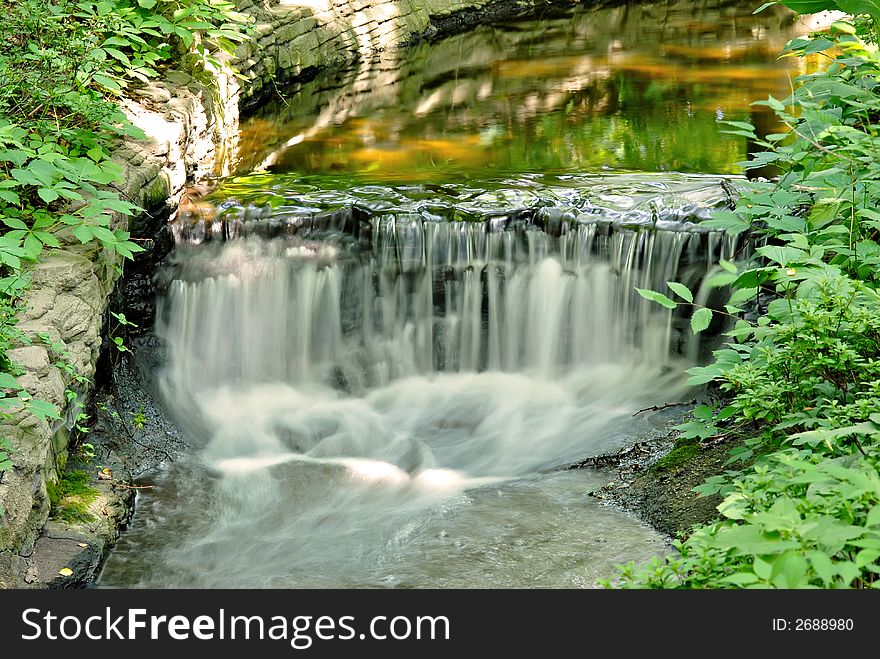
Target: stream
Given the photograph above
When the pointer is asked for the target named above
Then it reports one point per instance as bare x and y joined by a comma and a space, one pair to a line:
414, 304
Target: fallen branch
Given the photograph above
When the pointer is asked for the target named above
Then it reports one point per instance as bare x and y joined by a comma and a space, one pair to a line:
132, 487
657, 408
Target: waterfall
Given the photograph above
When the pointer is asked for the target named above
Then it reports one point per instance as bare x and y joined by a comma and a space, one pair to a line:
425, 298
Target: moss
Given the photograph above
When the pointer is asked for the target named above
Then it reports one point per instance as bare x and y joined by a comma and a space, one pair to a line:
682, 452
72, 496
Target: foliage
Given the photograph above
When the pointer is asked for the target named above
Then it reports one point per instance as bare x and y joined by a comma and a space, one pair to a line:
72, 496
798, 519
62, 63
802, 382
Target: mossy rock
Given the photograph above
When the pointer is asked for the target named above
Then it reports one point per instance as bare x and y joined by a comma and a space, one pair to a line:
72, 496
681, 453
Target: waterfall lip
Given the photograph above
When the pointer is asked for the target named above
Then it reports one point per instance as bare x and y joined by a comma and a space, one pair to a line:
662, 201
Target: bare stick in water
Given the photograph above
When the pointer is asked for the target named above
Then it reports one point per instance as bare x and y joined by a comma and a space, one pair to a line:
657, 408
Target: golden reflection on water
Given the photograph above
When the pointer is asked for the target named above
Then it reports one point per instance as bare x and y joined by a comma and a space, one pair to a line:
601, 90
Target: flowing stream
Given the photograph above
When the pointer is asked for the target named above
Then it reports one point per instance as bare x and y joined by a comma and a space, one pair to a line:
381, 371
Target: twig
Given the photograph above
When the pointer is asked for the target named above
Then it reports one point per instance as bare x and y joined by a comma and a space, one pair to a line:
132, 487
657, 408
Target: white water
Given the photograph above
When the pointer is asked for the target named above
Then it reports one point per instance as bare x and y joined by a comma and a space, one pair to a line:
387, 418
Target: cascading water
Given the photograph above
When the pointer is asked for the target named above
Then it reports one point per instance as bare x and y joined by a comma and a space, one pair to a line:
365, 397
418, 302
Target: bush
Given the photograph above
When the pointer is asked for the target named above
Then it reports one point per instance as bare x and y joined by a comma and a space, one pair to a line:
61, 65
802, 382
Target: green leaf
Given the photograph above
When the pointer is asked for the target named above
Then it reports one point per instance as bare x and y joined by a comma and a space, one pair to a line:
83, 233
701, 319
654, 296
789, 570
118, 55
33, 246
9, 404
740, 579
867, 557
147, 4
47, 194
13, 222
811, 6
116, 41
681, 290
727, 265
703, 374
781, 255
8, 381
843, 26
10, 197
749, 539
43, 409
848, 571
762, 568
822, 566
106, 82
857, 7
764, 6
721, 279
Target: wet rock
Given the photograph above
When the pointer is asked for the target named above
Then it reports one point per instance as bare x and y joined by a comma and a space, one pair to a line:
661, 491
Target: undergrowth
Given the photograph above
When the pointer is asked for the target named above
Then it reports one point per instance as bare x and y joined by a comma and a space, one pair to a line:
802, 383
63, 64
72, 496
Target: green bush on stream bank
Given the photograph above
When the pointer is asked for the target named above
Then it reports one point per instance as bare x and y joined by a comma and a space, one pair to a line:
62, 64
801, 384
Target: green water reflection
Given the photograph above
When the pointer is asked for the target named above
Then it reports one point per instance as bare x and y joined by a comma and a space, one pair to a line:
638, 87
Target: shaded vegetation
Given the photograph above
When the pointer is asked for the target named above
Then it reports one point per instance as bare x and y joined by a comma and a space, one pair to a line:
802, 382
62, 64
72, 496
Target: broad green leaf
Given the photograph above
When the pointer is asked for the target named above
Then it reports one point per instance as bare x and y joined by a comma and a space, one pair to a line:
47, 194
118, 55
782, 255
751, 540
727, 265
741, 579
106, 82
703, 374
116, 41
43, 409
867, 557
762, 568
8, 381
856, 7
13, 222
701, 319
681, 290
822, 566
654, 296
721, 279
83, 233
10, 197
789, 570
811, 6
843, 26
